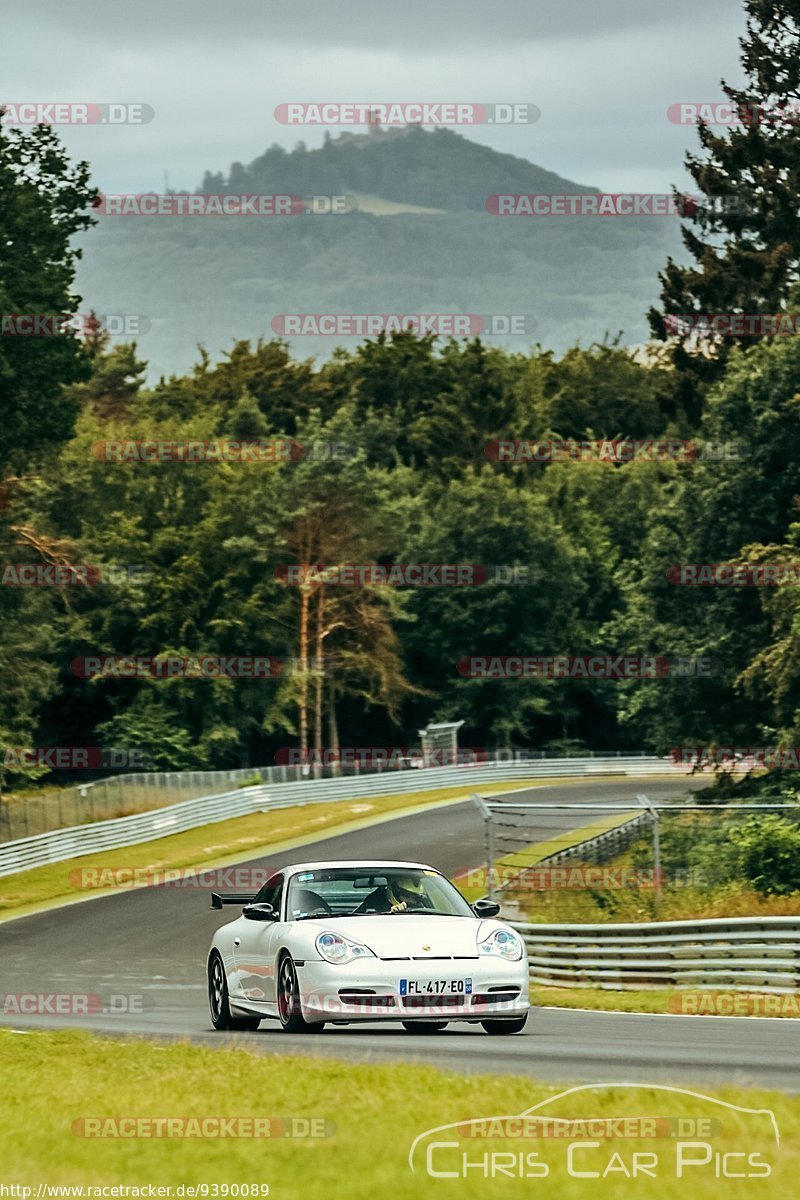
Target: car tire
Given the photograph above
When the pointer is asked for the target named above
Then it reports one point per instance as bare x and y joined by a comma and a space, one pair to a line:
290, 1012
218, 1000
511, 1025
424, 1026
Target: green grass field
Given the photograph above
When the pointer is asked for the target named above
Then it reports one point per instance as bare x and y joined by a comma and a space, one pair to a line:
50, 1081
507, 868
686, 1001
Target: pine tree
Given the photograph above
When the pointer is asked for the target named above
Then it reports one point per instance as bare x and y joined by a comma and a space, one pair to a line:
247, 419
44, 200
745, 236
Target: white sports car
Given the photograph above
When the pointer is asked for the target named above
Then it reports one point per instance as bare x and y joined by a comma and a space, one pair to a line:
365, 941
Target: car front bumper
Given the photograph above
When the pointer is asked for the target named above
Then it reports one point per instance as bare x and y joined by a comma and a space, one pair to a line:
386, 990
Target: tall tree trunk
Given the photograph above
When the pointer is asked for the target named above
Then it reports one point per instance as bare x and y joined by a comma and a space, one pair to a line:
303, 696
333, 726
319, 650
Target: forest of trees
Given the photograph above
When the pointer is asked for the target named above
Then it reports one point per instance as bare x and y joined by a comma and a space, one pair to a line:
396, 471
398, 468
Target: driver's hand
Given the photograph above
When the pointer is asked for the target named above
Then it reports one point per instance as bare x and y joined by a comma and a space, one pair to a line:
401, 907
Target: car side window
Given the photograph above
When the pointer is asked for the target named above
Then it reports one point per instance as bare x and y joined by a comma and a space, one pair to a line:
271, 893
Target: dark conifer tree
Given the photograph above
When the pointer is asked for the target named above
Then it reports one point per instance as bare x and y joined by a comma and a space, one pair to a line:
744, 232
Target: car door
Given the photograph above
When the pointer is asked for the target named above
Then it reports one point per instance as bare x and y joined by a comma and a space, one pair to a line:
254, 948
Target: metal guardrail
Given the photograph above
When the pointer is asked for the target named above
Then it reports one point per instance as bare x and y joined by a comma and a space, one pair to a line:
44, 810
595, 849
602, 846
74, 841
506, 812
739, 953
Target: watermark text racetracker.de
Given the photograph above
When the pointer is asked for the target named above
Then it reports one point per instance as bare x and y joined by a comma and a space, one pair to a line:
735, 758
735, 1004
222, 204
66, 112
726, 112
547, 878
343, 325
732, 324
194, 666
382, 758
229, 450
240, 879
64, 575
612, 450
617, 204
72, 758
134, 1191
584, 666
127, 325
73, 1004
411, 575
735, 574
409, 112
174, 666
195, 1127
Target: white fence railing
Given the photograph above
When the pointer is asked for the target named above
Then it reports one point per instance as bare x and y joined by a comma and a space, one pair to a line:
44, 810
739, 953
60, 844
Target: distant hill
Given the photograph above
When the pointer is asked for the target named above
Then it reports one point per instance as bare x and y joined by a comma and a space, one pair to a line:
210, 280
436, 170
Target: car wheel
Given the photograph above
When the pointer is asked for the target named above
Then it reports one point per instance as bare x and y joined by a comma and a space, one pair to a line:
424, 1026
218, 1000
512, 1025
289, 1010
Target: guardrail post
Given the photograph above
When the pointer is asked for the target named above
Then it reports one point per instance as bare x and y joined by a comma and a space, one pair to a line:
486, 813
654, 815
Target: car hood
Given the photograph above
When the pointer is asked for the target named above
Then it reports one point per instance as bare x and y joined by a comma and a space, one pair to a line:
406, 935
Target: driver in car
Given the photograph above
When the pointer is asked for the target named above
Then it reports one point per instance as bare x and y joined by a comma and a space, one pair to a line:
401, 894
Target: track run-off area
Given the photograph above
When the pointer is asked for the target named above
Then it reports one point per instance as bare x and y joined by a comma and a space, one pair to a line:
147, 948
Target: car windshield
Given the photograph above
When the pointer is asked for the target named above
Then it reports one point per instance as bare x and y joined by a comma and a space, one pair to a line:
367, 891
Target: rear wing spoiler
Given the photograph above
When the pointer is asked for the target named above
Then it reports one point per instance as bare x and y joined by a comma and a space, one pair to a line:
239, 898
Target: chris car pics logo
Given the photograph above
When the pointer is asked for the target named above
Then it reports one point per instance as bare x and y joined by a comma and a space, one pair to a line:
608, 1132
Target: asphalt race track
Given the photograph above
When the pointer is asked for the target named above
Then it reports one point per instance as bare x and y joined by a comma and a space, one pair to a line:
148, 946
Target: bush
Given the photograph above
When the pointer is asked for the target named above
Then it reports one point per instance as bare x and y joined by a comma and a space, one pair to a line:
766, 850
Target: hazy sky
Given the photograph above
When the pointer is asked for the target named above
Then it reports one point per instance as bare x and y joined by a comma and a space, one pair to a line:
603, 73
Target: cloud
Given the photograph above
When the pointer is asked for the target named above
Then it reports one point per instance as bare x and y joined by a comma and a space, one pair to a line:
408, 27
602, 74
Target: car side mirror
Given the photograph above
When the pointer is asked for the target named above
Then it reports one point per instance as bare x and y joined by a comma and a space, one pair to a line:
486, 908
259, 912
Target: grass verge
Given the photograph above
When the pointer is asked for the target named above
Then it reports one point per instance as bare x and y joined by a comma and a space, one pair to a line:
474, 884
373, 1114
708, 1002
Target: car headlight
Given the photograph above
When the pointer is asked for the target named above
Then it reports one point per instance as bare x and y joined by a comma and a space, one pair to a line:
335, 948
503, 944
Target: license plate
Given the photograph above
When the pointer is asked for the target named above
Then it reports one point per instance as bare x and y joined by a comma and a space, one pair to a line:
435, 987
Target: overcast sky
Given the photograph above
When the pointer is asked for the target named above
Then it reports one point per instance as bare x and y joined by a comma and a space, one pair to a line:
603, 73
